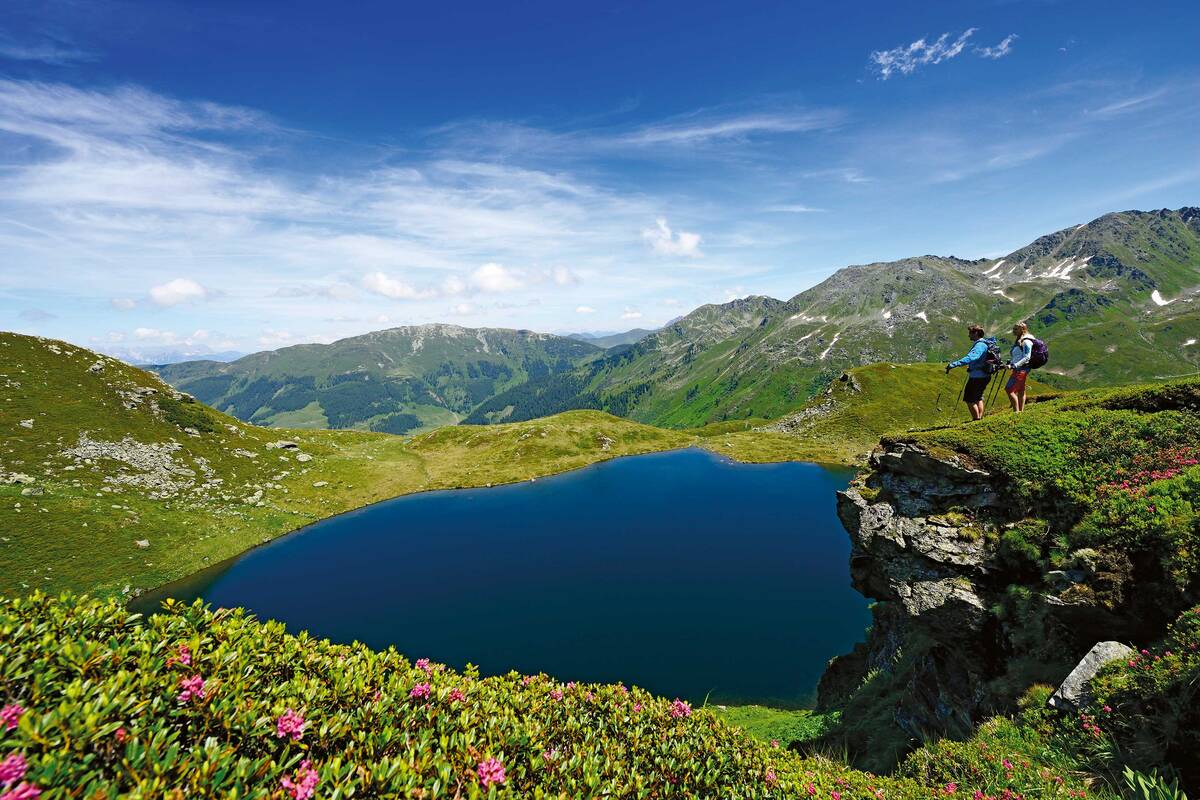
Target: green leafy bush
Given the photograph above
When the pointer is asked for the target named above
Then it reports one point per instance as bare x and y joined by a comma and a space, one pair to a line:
193, 703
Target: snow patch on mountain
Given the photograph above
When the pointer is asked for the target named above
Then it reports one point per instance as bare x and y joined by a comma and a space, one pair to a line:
836, 336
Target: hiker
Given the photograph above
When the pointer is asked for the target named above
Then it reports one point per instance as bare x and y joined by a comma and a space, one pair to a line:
978, 362
1019, 358
1028, 354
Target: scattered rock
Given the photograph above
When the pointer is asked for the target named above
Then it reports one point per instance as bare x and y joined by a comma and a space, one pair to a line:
96, 368
142, 543
26, 423
32, 491
319, 484
303, 457
283, 444
1074, 693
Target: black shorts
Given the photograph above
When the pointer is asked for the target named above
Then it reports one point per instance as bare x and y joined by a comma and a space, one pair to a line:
974, 391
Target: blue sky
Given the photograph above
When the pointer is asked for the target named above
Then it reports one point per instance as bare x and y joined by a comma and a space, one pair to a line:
211, 176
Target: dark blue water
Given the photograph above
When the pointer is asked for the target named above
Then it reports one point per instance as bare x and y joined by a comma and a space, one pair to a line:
679, 572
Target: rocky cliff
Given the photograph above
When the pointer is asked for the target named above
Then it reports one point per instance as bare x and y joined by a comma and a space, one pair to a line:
965, 619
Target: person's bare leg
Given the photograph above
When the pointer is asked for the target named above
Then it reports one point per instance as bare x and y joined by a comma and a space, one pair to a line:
977, 410
1021, 400
1014, 400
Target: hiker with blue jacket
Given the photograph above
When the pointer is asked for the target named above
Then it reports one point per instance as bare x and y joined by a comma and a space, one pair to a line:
979, 369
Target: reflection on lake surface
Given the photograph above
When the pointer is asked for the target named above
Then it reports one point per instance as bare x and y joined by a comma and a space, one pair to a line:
680, 572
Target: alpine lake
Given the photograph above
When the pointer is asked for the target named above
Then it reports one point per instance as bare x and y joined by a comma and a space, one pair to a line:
681, 572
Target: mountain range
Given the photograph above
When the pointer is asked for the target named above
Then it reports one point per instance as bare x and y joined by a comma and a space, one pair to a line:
1115, 298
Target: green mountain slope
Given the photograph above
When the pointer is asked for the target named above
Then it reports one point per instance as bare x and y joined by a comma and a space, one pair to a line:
397, 380
97, 456
846, 420
613, 339
1116, 298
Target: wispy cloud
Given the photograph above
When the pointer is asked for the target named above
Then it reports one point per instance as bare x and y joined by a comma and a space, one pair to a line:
793, 208
1130, 105
907, 59
43, 49
1000, 50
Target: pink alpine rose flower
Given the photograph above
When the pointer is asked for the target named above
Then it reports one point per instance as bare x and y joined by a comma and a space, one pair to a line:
12, 769
23, 791
291, 725
490, 771
680, 708
423, 664
457, 696
10, 715
182, 656
192, 688
771, 778
302, 783
556, 694
421, 690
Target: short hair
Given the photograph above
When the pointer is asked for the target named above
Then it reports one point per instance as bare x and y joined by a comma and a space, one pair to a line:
976, 331
1021, 328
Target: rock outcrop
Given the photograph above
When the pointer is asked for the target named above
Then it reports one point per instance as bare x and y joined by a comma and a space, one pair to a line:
1073, 693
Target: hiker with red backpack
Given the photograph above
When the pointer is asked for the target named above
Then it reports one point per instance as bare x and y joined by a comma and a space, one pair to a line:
982, 362
1028, 353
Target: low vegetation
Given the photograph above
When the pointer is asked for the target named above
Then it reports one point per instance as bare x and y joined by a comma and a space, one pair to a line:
192, 703
842, 423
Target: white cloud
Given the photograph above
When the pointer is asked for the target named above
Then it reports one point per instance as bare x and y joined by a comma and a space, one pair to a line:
670, 243
843, 174
999, 50
462, 309
793, 208
563, 276
631, 313
493, 277
334, 291
383, 284
123, 303
905, 59
454, 285
584, 310
154, 333
179, 290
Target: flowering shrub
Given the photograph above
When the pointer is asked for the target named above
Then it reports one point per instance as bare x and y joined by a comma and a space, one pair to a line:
1150, 705
91, 701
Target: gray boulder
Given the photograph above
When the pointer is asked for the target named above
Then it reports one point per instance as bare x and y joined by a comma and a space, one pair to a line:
1074, 694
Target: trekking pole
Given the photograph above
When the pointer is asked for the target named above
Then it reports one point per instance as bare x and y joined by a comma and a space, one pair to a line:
996, 388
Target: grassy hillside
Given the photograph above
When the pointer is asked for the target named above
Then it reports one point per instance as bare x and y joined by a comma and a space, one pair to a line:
846, 420
98, 456
399, 380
